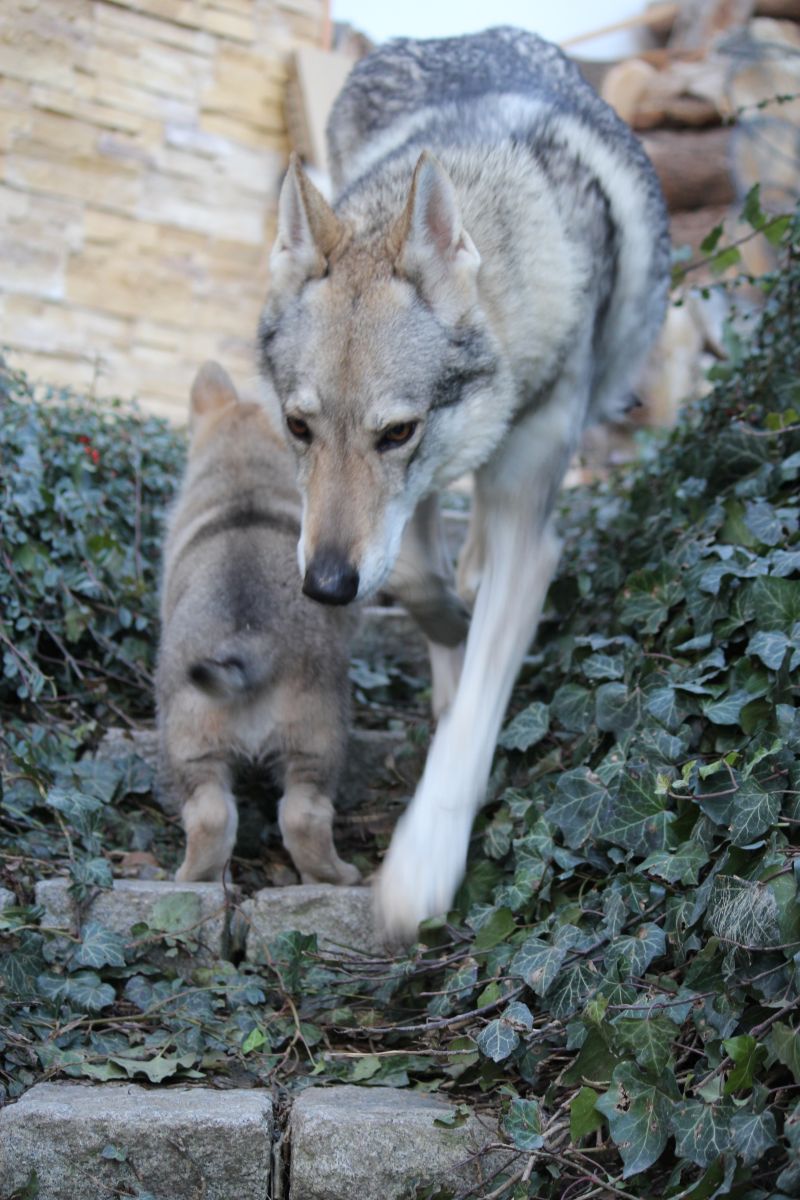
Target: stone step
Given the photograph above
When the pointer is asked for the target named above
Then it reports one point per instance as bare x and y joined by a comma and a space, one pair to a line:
88, 1142
339, 916
374, 1143
131, 901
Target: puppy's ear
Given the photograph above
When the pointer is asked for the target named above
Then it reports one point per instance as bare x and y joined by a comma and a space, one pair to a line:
429, 243
308, 231
212, 391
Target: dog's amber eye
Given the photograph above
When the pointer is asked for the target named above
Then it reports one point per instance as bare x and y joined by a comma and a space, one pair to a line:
397, 435
298, 428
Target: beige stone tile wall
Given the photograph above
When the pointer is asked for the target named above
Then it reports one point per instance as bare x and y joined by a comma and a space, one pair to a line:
141, 148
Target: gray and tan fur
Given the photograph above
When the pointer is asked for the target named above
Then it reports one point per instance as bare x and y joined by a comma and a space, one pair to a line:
248, 668
488, 283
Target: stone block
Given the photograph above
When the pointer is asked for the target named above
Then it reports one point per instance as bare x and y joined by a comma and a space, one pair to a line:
131, 901
174, 1143
339, 916
376, 1143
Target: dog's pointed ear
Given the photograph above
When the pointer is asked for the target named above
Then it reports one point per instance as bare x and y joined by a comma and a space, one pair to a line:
429, 243
212, 390
308, 231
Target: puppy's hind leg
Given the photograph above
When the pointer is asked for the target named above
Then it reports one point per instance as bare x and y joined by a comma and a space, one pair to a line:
313, 734
305, 817
210, 819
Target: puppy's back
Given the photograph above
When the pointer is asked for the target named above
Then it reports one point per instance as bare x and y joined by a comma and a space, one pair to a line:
233, 615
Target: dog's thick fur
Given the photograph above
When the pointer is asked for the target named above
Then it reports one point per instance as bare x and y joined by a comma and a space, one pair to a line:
490, 281
248, 667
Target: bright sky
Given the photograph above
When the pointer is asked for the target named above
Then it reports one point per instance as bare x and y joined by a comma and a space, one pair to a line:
441, 18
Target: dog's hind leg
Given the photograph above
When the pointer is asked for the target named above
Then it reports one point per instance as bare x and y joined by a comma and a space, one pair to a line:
422, 580
210, 819
305, 816
312, 729
517, 490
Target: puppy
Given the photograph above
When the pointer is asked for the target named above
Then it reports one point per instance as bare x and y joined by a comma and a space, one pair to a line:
248, 668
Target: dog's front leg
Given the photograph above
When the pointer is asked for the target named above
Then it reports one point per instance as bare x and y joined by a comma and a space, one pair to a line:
517, 489
422, 581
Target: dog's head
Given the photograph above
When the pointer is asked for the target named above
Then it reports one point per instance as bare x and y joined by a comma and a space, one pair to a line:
376, 344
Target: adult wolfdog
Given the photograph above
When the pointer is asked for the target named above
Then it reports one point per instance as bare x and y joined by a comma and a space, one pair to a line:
488, 282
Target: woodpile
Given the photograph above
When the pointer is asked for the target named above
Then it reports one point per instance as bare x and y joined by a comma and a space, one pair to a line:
715, 98
709, 100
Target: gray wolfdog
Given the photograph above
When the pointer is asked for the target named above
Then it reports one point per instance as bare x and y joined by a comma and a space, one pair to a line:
488, 282
248, 668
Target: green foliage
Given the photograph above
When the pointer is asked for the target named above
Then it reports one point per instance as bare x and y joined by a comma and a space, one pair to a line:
619, 975
82, 496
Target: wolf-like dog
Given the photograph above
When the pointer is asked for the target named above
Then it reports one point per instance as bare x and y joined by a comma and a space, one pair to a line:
248, 667
488, 282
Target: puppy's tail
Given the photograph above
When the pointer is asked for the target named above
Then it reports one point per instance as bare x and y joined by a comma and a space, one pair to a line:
241, 665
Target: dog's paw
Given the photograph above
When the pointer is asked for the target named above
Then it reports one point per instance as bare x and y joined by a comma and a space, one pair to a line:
422, 869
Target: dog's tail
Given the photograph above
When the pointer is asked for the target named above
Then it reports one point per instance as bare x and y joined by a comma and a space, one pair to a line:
240, 666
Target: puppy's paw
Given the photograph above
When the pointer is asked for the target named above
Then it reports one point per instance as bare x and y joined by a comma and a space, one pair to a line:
422, 869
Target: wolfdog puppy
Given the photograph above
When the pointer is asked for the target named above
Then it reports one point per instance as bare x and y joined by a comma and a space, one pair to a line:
488, 282
248, 667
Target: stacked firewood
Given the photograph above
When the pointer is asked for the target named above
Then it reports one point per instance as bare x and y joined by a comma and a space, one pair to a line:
717, 106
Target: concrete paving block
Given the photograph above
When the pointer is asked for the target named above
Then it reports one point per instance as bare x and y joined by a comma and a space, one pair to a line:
7, 899
374, 1143
340, 916
175, 1143
132, 900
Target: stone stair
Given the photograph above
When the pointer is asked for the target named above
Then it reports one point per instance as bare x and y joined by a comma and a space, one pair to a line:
180, 1143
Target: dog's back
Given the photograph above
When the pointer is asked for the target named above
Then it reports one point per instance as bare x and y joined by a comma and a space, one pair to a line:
248, 666
500, 110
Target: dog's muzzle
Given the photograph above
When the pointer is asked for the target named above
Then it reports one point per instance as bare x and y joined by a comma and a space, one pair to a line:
330, 578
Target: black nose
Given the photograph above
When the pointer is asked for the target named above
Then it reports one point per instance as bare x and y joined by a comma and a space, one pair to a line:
330, 578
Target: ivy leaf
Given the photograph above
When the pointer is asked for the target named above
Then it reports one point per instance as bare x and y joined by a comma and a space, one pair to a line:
581, 807
573, 707
638, 819
752, 1134
784, 1044
634, 953
498, 928
746, 1054
523, 1124
603, 666
86, 990
638, 1115
770, 646
538, 963
100, 947
175, 913
527, 728
775, 603
728, 709
681, 865
662, 702
497, 1040
583, 1116
702, 1131
572, 989
617, 709
650, 1041
754, 810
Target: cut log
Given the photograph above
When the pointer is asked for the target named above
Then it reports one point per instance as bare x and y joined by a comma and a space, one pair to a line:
691, 228
782, 10
699, 21
693, 166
